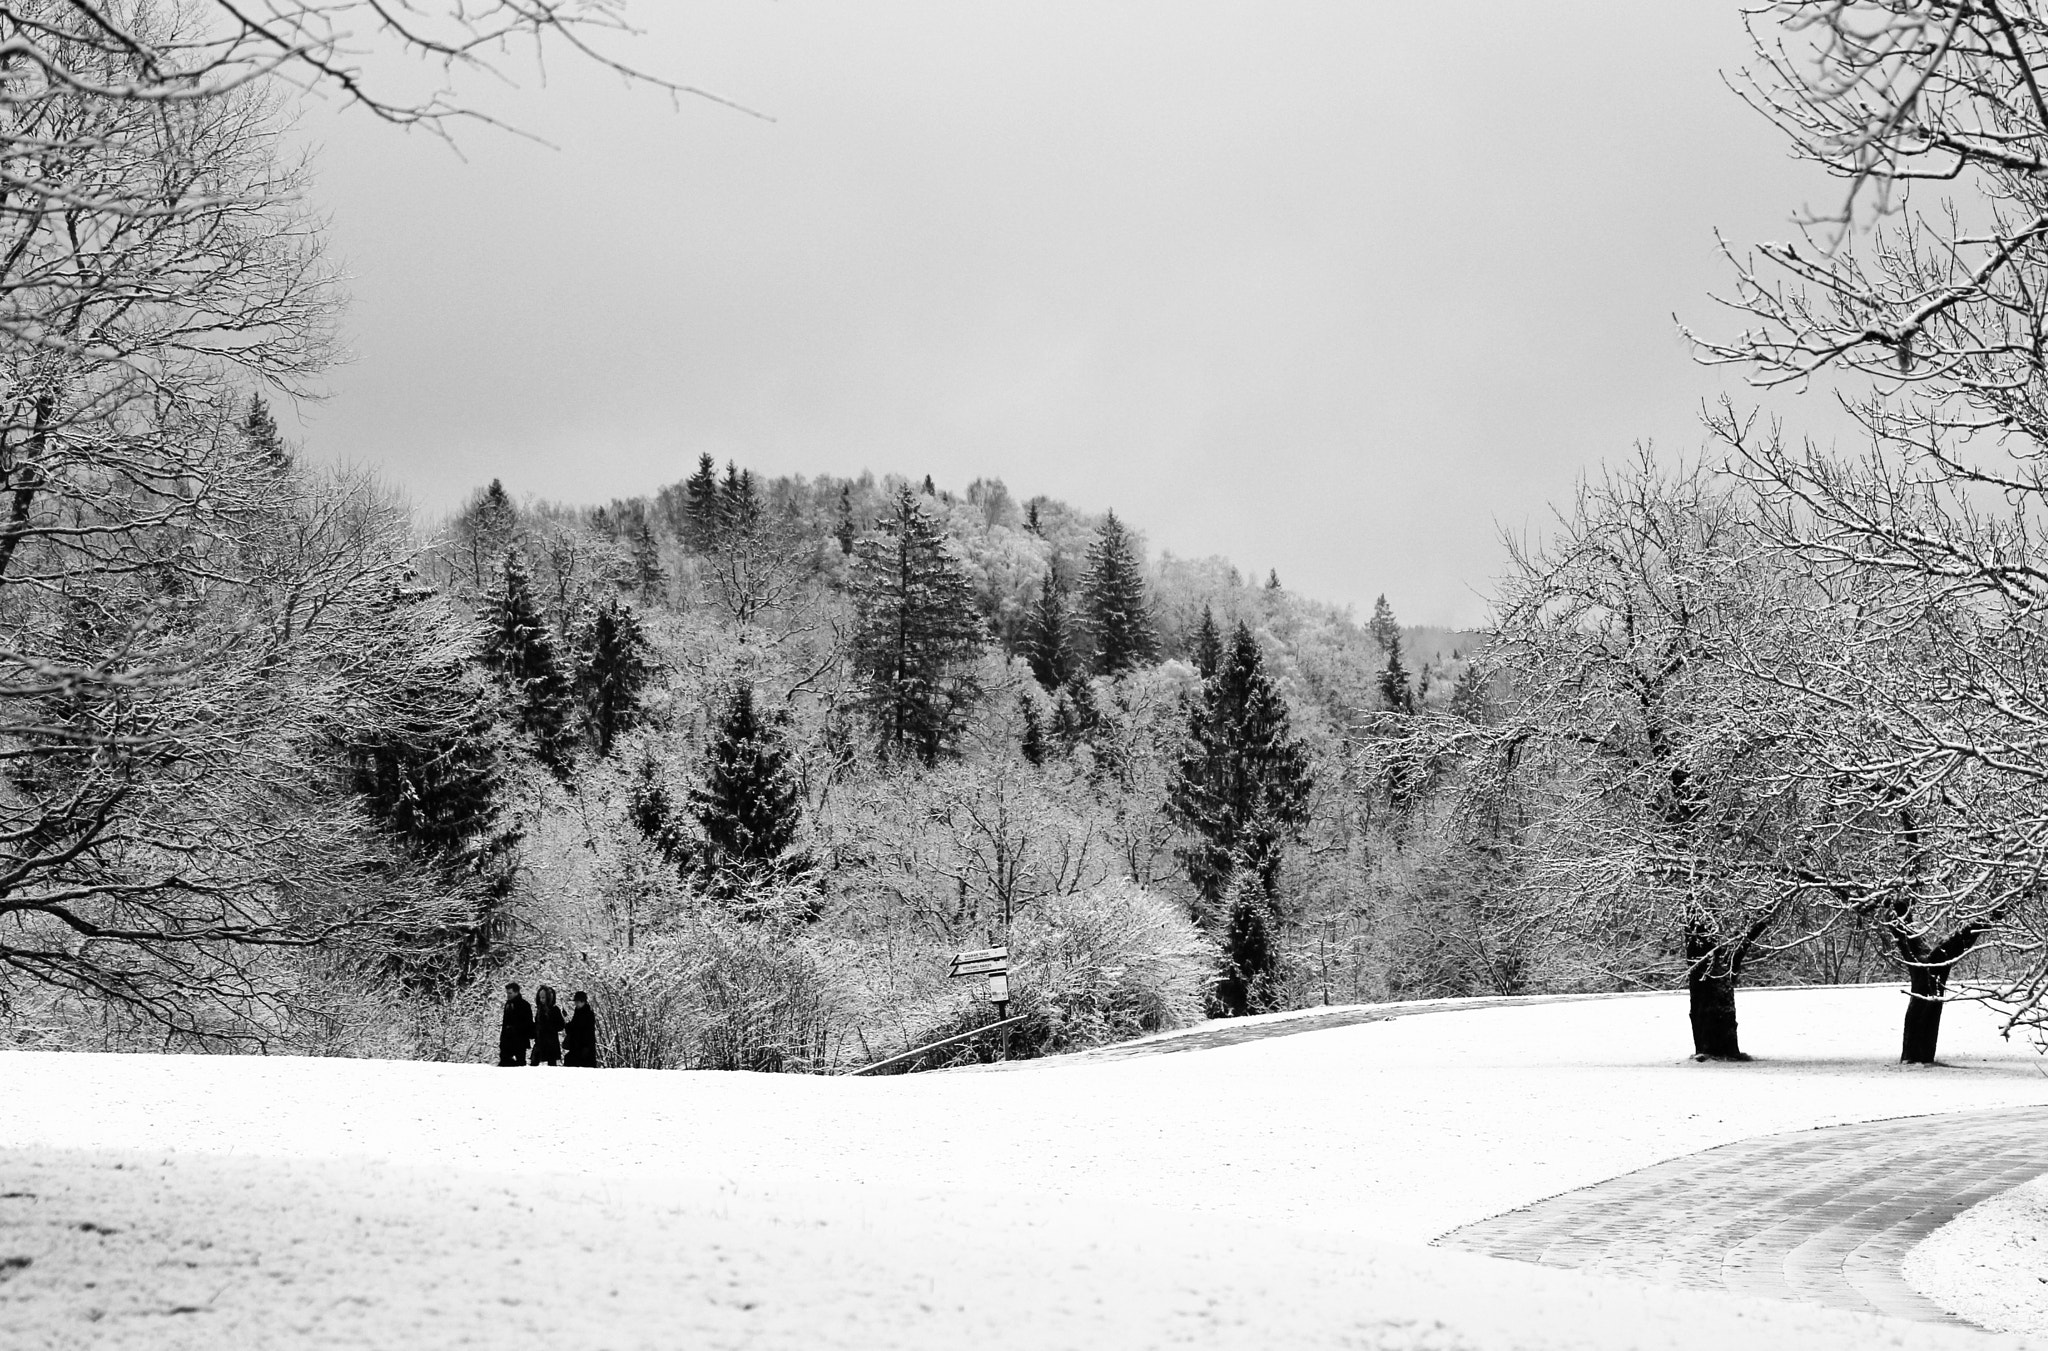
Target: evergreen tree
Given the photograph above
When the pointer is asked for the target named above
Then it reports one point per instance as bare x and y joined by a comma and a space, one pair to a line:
700, 501
749, 807
1050, 643
428, 771
485, 528
1251, 961
739, 508
611, 670
1032, 740
520, 648
1385, 630
1394, 690
916, 634
259, 429
1113, 597
844, 531
929, 490
1208, 645
1272, 579
653, 814
1075, 716
1031, 518
650, 579
1242, 784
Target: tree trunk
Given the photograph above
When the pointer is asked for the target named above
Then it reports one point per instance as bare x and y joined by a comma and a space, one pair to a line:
1713, 1016
1923, 1014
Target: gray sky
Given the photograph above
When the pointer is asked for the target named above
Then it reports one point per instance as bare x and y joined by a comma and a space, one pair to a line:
1339, 289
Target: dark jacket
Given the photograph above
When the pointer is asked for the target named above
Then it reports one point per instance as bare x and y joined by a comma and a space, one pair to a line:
547, 1036
515, 1032
580, 1047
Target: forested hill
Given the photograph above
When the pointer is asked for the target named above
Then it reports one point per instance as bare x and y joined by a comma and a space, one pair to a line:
802, 529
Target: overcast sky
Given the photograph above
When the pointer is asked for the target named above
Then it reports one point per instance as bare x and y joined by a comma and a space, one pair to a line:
1338, 288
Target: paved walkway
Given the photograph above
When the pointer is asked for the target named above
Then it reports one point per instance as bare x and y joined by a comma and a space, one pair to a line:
1817, 1216
1235, 1031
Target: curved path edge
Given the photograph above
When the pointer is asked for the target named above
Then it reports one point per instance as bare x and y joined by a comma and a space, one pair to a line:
1823, 1216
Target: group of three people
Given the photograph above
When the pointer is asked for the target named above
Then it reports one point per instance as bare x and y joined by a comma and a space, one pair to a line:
537, 1034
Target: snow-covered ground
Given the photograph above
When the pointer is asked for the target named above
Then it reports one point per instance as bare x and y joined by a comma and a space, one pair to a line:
1271, 1194
1990, 1263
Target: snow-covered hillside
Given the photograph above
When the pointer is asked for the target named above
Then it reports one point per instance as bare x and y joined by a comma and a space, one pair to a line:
1276, 1193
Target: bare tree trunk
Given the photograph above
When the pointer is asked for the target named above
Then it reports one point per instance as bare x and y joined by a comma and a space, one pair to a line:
1713, 1014
1923, 1014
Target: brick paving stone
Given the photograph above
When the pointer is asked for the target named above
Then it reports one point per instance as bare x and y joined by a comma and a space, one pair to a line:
1821, 1216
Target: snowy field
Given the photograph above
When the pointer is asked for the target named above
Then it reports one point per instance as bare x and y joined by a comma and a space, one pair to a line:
1272, 1194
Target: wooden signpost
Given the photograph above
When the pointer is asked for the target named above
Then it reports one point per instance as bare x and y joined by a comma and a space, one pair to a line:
993, 963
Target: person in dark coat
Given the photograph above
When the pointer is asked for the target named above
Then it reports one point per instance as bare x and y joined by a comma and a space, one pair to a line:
547, 1027
516, 1032
581, 1045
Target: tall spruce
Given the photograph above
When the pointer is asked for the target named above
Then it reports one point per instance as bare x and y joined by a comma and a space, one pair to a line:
739, 506
749, 807
1241, 786
916, 634
484, 529
1208, 645
1051, 645
1113, 598
612, 668
843, 530
1241, 790
259, 429
700, 503
519, 646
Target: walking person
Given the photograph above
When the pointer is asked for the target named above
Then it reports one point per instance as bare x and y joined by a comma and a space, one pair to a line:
547, 1027
515, 1033
581, 1043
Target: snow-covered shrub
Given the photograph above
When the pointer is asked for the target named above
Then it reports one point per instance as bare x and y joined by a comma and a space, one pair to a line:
642, 999
1105, 965
717, 995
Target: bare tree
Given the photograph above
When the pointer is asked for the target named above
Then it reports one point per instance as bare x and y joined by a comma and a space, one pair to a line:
1929, 314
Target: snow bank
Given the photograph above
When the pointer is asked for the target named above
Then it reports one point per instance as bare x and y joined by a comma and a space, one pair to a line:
1990, 1263
1271, 1193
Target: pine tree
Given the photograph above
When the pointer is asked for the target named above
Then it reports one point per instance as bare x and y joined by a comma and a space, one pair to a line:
1031, 741
1113, 597
929, 490
700, 498
844, 531
485, 528
1050, 643
1208, 645
611, 670
259, 428
749, 806
650, 579
1385, 630
739, 509
1272, 579
1394, 690
1242, 784
916, 635
520, 648
429, 771
1031, 518
1393, 681
653, 814
1251, 961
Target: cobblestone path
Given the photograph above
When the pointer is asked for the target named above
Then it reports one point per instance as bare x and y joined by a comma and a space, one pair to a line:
1816, 1216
